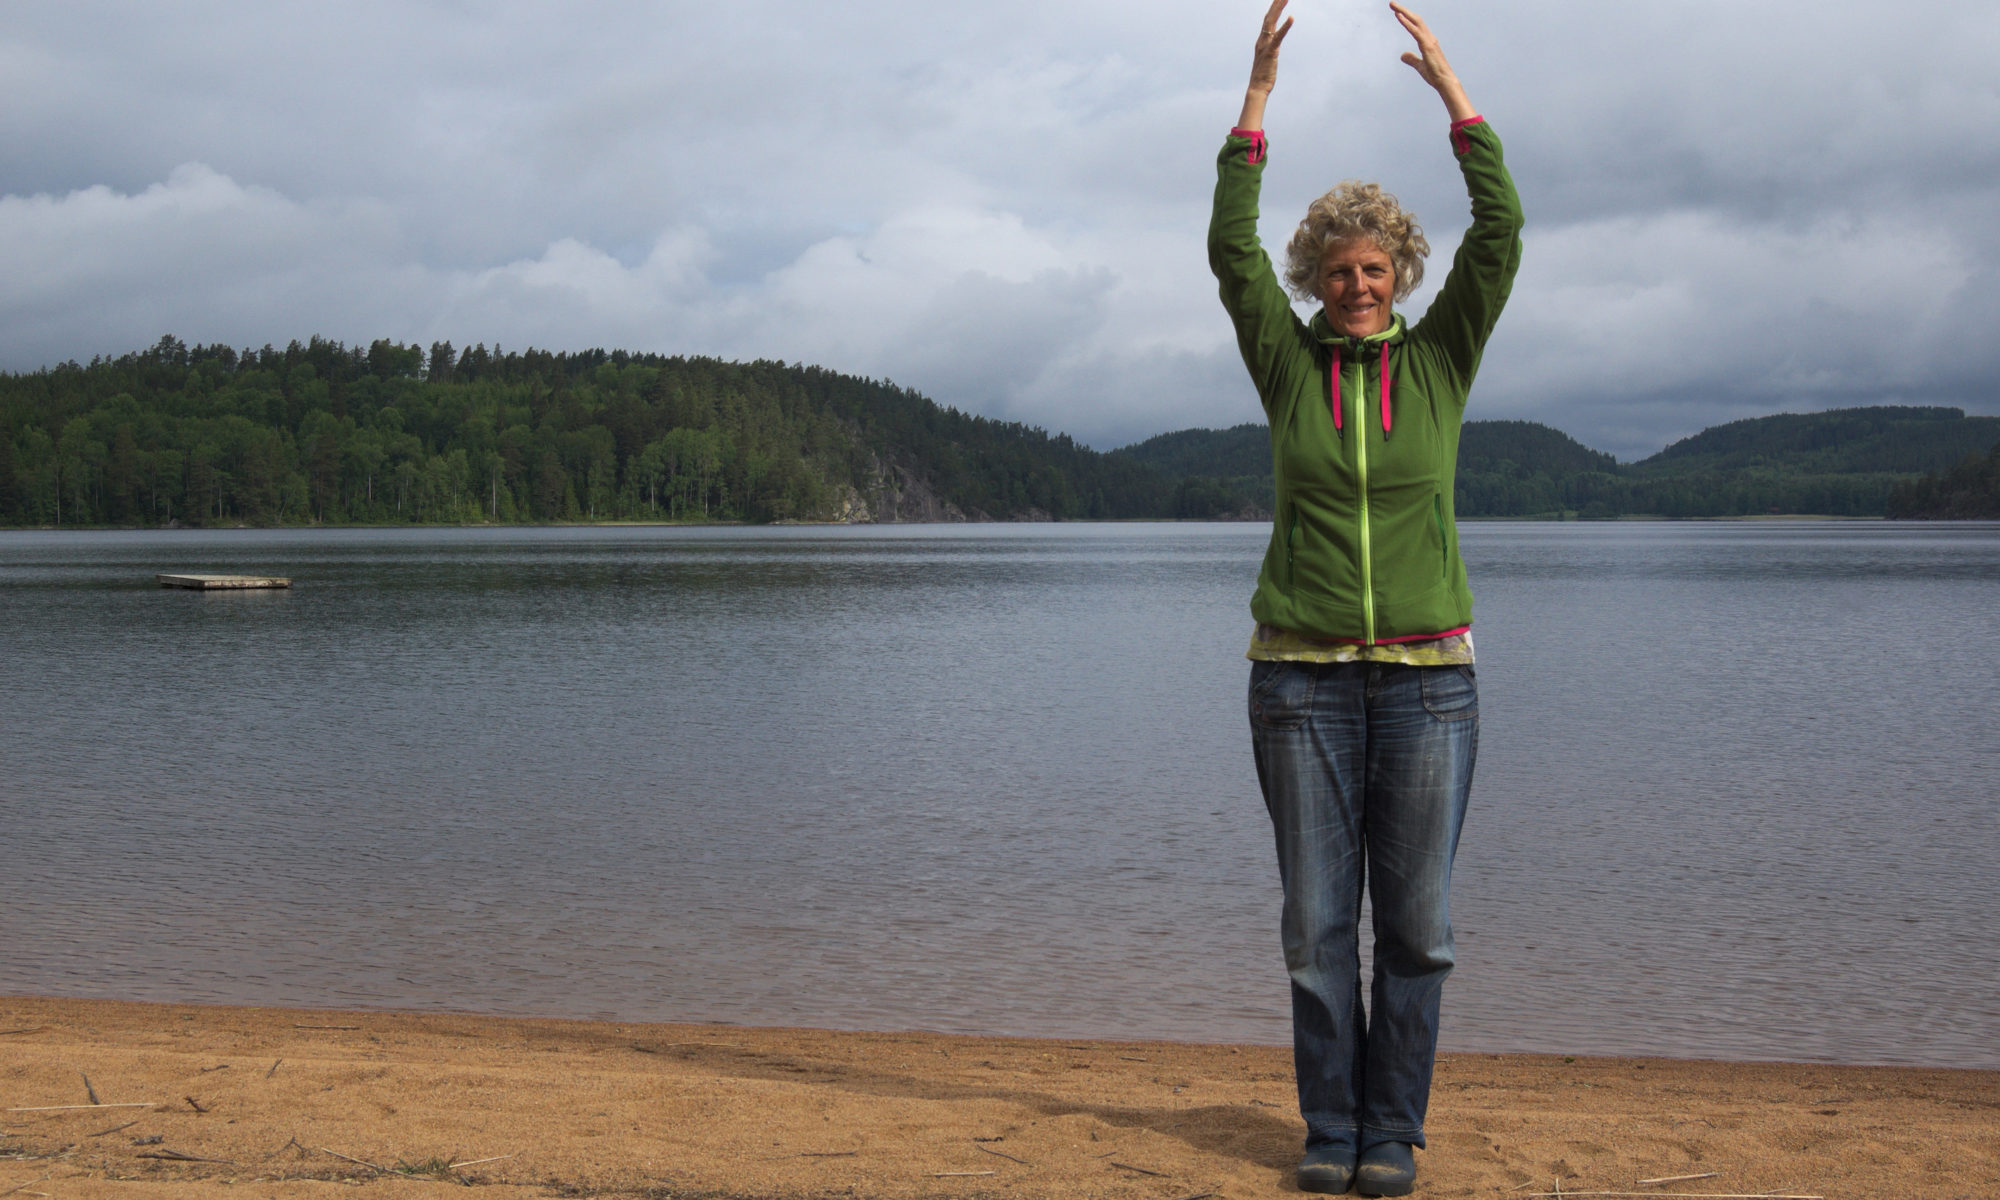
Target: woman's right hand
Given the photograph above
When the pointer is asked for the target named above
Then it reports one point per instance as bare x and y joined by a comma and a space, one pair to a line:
1264, 68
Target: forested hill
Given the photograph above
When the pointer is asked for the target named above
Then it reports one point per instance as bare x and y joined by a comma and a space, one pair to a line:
321, 432
324, 433
1843, 462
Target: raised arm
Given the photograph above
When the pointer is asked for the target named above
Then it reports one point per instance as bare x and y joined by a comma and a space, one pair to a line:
1264, 67
1461, 317
1428, 62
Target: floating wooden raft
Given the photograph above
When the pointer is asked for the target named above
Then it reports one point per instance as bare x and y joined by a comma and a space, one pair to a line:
210, 583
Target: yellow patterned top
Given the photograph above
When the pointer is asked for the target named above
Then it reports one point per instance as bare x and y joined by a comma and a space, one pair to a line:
1271, 644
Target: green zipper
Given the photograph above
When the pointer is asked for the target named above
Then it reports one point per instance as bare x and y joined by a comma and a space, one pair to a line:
1361, 473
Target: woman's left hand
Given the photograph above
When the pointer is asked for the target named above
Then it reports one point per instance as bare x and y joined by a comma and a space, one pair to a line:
1429, 62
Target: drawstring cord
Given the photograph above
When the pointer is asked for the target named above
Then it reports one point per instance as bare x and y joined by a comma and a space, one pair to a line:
1333, 389
1384, 373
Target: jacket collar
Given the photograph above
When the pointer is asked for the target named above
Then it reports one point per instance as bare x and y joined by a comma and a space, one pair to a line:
1352, 347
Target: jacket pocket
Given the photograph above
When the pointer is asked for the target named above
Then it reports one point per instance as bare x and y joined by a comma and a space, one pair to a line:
1444, 543
1291, 545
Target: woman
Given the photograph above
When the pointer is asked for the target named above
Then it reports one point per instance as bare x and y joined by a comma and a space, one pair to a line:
1363, 710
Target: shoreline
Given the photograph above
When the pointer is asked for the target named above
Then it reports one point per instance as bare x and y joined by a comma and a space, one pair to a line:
324, 1102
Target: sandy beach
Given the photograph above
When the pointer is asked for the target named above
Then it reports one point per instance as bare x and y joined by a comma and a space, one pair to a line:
109, 1099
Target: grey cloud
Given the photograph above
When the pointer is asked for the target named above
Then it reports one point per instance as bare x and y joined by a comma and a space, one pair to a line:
1732, 208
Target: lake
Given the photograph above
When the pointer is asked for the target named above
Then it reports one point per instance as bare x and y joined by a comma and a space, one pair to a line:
1738, 793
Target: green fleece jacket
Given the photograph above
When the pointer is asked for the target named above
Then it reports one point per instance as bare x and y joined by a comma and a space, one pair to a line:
1364, 546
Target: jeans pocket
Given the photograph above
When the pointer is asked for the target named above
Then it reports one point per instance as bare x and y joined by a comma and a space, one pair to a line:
1450, 694
1280, 694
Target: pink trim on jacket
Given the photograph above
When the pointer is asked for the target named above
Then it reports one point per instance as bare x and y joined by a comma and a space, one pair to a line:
1458, 142
1257, 145
1333, 389
1384, 374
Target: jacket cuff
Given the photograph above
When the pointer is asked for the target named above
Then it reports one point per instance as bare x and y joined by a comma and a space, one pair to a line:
1459, 143
1258, 146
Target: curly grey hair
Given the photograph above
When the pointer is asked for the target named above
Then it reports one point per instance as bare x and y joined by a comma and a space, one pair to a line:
1355, 209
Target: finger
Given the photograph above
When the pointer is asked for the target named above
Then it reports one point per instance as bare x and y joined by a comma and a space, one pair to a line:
1279, 36
1272, 14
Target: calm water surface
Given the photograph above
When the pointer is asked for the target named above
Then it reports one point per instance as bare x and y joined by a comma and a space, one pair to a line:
1736, 797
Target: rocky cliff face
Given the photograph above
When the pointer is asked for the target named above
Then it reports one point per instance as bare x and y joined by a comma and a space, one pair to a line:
899, 496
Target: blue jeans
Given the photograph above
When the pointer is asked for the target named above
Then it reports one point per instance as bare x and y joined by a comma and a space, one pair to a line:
1365, 769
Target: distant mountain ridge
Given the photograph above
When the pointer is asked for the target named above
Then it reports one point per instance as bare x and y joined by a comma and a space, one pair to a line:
1840, 462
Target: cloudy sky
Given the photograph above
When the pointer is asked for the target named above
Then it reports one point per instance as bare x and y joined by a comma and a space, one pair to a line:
1734, 208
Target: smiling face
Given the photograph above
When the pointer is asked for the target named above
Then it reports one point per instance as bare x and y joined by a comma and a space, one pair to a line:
1357, 280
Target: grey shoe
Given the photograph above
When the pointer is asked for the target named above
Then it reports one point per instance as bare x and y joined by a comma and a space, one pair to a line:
1387, 1169
1328, 1170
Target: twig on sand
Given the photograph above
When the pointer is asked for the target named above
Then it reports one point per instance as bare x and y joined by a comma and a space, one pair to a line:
1201, 1196
216, 1067
350, 1158
724, 1045
1129, 1058
194, 1104
22, 1187
88, 1090
273, 1070
11, 1033
1679, 1178
959, 1174
473, 1162
1001, 1154
177, 1156
1691, 1195
1141, 1170
64, 1107
326, 1027
113, 1129
812, 1154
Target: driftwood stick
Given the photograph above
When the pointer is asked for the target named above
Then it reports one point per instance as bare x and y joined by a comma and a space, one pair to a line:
812, 1154
1679, 1178
665, 1045
194, 1104
350, 1158
1692, 1195
959, 1174
64, 1107
216, 1067
1201, 1196
22, 1187
88, 1090
273, 1070
177, 1156
326, 1027
113, 1129
11, 1033
473, 1162
1002, 1154
1142, 1170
